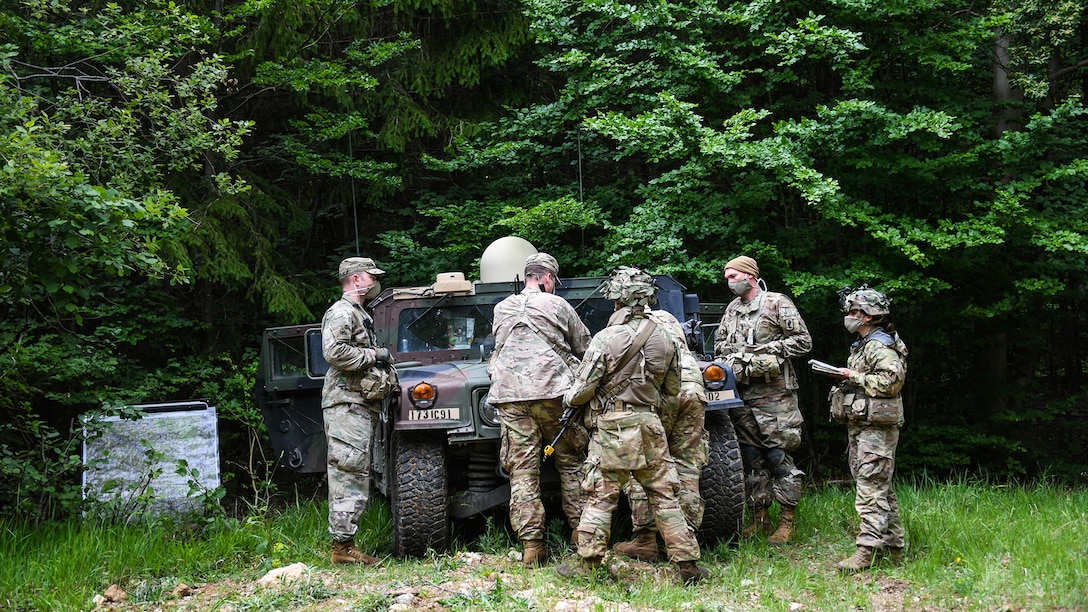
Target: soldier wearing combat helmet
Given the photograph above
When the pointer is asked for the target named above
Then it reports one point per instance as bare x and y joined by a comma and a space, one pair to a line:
683, 419
870, 403
758, 334
629, 373
538, 340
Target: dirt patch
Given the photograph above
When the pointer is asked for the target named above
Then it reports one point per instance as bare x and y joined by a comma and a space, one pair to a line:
891, 595
470, 580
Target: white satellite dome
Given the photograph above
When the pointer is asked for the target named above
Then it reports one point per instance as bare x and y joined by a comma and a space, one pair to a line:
504, 260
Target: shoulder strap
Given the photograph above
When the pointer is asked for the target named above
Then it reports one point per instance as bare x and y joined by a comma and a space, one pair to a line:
645, 330
636, 346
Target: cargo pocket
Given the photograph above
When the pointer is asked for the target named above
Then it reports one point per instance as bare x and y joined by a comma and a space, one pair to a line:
840, 401
764, 365
886, 410
376, 383
858, 410
620, 435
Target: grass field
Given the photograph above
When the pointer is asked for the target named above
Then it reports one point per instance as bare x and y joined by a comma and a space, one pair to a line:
971, 546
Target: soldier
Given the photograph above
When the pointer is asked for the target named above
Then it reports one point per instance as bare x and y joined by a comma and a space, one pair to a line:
629, 373
538, 341
683, 420
758, 334
360, 376
869, 402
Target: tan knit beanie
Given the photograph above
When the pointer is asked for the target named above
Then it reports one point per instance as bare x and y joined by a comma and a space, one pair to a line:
744, 264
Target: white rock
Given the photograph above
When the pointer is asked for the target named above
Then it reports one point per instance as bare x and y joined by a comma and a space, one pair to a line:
283, 574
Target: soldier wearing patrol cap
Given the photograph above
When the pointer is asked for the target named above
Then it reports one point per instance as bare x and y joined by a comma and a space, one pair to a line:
630, 372
539, 339
758, 334
359, 377
870, 403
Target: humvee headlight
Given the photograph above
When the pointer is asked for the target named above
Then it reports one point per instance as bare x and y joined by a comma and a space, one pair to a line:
714, 377
488, 412
423, 395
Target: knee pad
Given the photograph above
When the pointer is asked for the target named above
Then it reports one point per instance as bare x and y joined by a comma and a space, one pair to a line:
780, 463
752, 456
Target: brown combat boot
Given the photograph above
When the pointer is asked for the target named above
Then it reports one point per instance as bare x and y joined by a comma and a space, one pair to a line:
690, 573
861, 560
782, 534
586, 567
345, 552
894, 554
643, 547
761, 524
535, 553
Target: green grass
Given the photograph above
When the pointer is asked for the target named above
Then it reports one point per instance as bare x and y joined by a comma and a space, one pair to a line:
971, 546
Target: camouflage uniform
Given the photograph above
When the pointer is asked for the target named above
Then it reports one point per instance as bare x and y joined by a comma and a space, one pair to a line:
348, 344
879, 369
639, 391
758, 338
530, 370
683, 420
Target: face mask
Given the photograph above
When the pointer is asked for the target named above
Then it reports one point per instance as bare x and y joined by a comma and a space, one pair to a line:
373, 290
369, 292
740, 287
852, 324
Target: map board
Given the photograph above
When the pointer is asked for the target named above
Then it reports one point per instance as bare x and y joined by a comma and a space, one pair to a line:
133, 464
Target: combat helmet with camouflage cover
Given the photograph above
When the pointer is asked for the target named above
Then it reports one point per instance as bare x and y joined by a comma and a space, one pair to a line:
870, 301
631, 286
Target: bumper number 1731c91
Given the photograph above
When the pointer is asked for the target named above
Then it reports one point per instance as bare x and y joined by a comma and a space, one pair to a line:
434, 414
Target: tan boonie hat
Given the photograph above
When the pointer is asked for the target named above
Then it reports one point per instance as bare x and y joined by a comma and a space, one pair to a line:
353, 265
744, 264
544, 261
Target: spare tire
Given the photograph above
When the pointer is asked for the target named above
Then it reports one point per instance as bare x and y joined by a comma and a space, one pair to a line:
722, 482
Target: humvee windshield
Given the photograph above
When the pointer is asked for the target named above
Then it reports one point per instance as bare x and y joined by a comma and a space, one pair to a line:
444, 328
469, 326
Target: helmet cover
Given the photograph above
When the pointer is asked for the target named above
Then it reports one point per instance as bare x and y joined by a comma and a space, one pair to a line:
870, 301
631, 286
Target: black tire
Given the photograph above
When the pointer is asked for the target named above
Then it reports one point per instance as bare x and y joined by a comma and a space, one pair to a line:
722, 482
420, 496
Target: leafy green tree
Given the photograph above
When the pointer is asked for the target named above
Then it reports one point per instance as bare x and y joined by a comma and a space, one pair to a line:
104, 109
839, 143
183, 174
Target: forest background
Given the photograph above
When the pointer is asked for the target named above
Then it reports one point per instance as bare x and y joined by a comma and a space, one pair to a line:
177, 176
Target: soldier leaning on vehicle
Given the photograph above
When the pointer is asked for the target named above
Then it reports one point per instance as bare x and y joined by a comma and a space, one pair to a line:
538, 341
683, 419
629, 373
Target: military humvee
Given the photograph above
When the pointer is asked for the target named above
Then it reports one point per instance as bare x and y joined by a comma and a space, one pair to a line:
436, 450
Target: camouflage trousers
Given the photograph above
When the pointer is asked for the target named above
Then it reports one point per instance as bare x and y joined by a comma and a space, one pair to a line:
661, 484
768, 430
688, 444
349, 429
527, 427
872, 463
